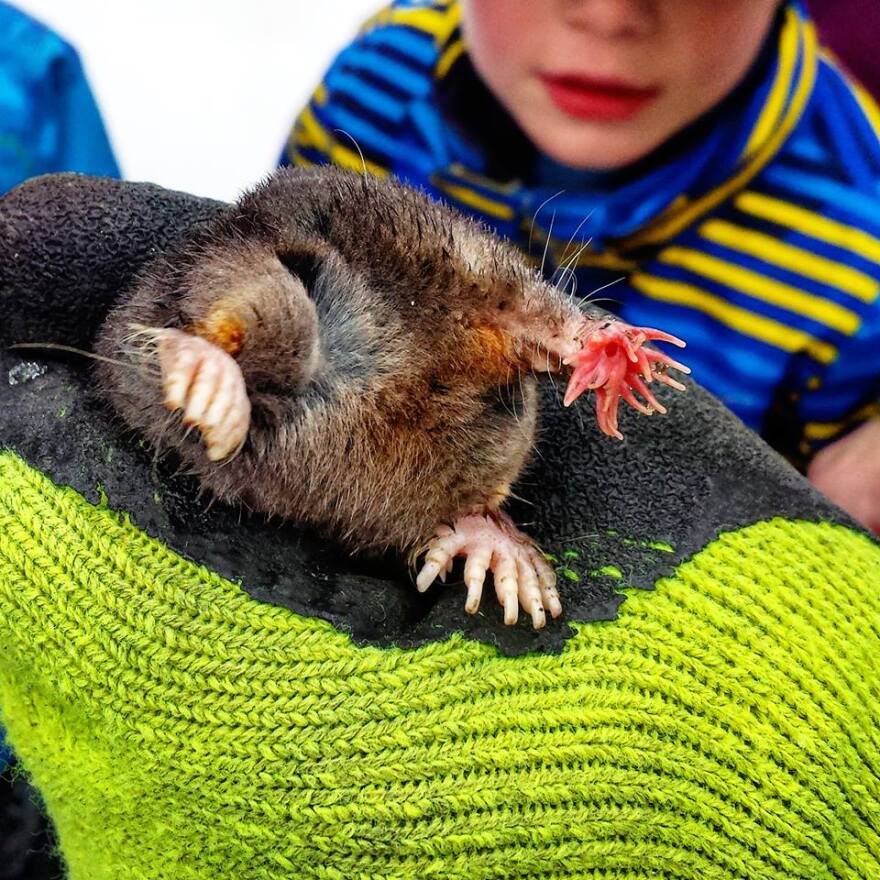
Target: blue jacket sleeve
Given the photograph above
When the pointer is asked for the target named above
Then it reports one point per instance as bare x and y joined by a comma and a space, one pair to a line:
849, 392
49, 120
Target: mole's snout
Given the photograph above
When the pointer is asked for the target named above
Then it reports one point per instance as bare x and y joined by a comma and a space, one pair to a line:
614, 362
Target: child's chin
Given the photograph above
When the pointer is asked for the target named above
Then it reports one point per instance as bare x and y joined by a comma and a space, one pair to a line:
595, 146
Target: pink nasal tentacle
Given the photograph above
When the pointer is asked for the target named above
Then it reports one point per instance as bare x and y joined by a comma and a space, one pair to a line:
614, 362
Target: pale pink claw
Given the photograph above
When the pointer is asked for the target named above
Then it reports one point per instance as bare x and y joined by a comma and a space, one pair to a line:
614, 362
205, 383
492, 542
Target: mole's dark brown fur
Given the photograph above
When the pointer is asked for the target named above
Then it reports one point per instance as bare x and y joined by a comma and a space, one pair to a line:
360, 359
387, 345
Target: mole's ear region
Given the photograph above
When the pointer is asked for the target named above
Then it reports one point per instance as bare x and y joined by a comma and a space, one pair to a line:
304, 265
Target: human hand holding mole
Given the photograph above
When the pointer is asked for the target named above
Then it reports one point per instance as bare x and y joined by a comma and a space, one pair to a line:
360, 359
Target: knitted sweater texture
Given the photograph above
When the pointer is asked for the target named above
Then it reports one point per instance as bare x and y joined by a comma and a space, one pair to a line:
726, 725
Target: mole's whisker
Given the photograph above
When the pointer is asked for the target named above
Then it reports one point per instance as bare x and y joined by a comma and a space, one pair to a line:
547, 241
538, 211
356, 146
576, 231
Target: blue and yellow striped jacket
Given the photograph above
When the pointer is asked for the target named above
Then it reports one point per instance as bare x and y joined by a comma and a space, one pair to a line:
757, 238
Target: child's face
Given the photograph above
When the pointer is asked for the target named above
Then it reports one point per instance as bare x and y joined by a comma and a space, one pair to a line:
601, 83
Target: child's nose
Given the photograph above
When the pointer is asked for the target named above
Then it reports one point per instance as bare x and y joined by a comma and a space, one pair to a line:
612, 19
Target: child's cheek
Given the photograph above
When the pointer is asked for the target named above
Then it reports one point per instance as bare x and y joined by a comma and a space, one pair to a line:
503, 37
712, 45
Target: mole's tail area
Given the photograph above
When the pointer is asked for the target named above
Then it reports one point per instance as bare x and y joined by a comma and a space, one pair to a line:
69, 244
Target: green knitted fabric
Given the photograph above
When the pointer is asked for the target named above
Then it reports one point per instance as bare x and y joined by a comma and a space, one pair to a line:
725, 726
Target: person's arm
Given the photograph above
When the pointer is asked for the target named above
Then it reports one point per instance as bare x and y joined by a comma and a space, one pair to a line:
49, 120
82, 143
364, 114
321, 132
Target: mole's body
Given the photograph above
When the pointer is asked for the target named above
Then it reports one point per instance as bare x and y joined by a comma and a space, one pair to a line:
360, 359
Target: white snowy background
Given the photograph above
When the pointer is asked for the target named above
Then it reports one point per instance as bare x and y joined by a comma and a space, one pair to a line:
199, 95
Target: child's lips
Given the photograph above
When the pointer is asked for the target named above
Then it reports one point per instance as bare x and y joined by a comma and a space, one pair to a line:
596, 98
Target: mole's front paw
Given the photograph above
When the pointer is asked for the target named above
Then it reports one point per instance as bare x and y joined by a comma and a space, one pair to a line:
491, 542
206, 383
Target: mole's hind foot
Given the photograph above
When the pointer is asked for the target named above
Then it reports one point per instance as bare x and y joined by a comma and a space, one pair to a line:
491, 542
206, 383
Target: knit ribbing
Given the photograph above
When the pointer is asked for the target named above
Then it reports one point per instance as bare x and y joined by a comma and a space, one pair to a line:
725, 726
